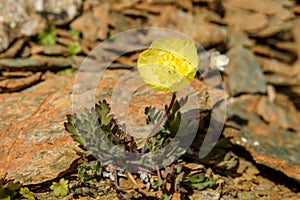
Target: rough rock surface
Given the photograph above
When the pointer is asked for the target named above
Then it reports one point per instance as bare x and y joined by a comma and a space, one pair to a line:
26, 18
243, 66
262, 132
32, 131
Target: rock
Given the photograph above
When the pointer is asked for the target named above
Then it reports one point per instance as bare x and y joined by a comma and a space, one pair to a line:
90, 27
36, 63
247, 21
14, 49
50, 50
27, 18
205, 1
135, 13
162, 1
285, 15
282, 45
281, 80
26, 52
238, 37
286, 3
33, 132
283, 116
275, 26
259, 18
293, 93
187, 5
20, 18
58, 12
208, 194
207, 15
120, 23
19, 83
267, 51
207, 34
4, 40
94, 22
296, 35
151, 8
275, 67
239, 114
268, 7
120, 6
296, 10
244, 73
267, 141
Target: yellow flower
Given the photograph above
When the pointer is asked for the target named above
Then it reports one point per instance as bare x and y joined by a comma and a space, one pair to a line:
169, 64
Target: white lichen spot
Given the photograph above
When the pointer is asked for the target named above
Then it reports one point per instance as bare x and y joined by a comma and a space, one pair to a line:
256, 143
244, 139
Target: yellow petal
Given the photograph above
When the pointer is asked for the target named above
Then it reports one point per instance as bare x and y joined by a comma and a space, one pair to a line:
169, 64
162, 78
180, 47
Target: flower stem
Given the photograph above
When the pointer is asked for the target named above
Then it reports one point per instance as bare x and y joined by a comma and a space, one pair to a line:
171, 103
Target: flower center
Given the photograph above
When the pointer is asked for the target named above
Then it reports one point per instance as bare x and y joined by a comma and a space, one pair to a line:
180, 65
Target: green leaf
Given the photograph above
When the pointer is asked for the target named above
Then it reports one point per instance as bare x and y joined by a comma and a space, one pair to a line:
3, 194
67, 71
74, 32
60, 189
74, 48
200, 182
94, 126
26, 193
10, 188
103, 110
224, 143
2, 178
201, 186
157, 184
47, 37
8, 191
197, 178
153, 114
111, 36
70, 128
165, 197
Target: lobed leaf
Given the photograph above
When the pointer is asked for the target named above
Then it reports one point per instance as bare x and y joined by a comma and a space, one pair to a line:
26, 193
60, 189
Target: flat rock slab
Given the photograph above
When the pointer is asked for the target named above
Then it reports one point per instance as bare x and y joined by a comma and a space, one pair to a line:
34, 147
244, 72
268, 130
247, 21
